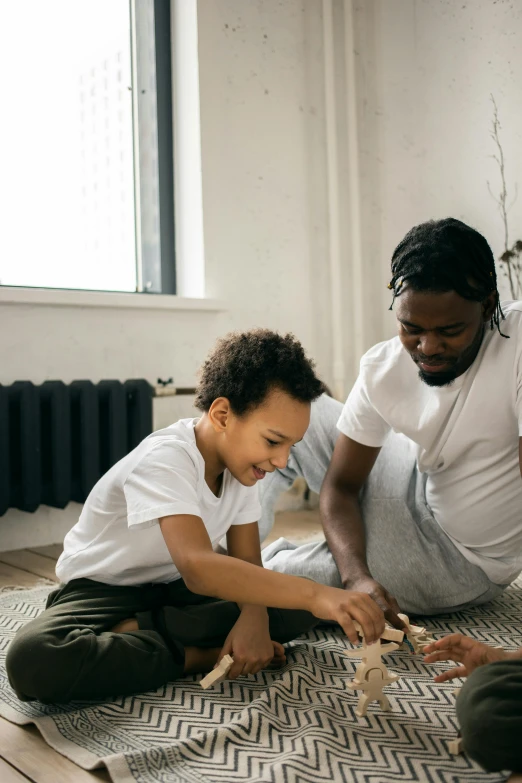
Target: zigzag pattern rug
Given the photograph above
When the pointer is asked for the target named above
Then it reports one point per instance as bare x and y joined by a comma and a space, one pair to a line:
296, 725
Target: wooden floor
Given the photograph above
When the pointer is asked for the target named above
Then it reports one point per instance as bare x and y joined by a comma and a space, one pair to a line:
24, 755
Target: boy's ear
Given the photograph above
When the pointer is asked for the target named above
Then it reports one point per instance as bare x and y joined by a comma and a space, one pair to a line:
219, 414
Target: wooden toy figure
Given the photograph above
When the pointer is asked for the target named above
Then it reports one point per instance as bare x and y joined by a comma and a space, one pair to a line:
371, 676
416, 637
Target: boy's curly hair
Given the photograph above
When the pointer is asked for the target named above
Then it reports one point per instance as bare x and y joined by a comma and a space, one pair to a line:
245, 366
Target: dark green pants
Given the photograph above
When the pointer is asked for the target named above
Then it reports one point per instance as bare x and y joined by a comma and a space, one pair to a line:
69, 651
489, 709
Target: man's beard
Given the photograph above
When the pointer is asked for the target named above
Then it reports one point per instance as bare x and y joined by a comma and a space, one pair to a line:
439, 378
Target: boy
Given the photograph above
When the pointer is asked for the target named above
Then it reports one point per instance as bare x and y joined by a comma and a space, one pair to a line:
139, 568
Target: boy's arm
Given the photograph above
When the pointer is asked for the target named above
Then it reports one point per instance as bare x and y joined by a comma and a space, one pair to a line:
207, 573
243, 543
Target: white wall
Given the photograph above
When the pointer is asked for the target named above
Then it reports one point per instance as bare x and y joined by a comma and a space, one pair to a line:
427, 69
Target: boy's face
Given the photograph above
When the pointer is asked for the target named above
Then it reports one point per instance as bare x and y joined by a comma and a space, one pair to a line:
260, 441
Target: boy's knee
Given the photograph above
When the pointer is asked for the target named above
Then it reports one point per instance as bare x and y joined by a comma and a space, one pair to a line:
37, 667
488, 710
288, 624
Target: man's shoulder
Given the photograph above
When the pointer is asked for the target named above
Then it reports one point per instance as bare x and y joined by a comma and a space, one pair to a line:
385, 355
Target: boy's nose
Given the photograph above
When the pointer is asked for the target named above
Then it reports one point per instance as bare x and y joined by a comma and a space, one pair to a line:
279, 461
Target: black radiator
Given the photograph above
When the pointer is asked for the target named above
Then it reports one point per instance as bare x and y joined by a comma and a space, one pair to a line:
57, 440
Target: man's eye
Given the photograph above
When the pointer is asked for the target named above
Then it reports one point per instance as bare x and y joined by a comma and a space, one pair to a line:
452, 334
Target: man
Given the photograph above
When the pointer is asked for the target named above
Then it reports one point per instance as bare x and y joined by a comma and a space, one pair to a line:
422, 496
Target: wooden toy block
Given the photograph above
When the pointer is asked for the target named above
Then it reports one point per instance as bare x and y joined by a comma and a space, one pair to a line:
219, 673
371, 676
389, 634
417, 636
392, 634
455, 746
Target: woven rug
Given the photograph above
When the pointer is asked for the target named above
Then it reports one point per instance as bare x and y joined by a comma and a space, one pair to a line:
297, 725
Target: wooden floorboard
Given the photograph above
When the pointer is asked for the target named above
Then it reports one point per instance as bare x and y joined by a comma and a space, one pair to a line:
15, 577
9, 774
26, 750
53, 550
32, 562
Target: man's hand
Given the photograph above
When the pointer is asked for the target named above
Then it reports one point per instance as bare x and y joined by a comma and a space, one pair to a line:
468, 652
345, 606
250, 645
382, 598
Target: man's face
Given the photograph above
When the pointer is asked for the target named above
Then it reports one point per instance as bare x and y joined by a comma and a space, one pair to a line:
442, 332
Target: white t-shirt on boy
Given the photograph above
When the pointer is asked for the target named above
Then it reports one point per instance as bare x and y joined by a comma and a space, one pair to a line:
117, 539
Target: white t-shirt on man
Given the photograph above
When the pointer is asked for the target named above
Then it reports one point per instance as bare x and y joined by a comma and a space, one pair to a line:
466, 436
117, 539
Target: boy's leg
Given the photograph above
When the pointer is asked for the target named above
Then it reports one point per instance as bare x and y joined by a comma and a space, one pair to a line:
407, 551
69, 652
490, 715
191, 620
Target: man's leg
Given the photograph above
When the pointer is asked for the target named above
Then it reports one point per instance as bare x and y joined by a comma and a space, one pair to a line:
69, 652
309, 458
489, 709
407, 551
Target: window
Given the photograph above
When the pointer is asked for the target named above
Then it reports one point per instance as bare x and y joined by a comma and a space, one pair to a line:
86, 155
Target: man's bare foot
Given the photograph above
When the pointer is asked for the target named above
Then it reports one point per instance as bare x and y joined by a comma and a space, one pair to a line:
126, 625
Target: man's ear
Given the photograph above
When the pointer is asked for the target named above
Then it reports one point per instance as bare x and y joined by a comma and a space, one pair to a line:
219, 414
488, 306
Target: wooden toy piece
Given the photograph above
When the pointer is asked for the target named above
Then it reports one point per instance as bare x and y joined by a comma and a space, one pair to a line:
455, 746
417, 636
389, 634
371, 676
219, 673
392, 634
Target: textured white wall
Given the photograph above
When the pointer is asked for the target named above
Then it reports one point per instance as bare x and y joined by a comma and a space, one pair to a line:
427, 69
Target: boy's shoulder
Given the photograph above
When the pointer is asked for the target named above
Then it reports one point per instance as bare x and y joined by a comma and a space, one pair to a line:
172, 447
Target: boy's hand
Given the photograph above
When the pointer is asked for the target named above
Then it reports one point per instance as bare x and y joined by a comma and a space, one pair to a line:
345, 606
382, 598
250, 645
468, 652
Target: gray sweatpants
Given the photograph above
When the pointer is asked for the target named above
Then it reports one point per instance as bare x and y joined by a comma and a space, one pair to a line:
407, 551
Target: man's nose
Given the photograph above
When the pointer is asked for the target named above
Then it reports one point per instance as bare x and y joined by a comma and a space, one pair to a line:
430, 344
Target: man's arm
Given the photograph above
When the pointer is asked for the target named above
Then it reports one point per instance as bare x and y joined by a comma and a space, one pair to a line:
349, 469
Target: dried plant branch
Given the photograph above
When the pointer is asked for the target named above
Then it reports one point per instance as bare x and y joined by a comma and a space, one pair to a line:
511, 257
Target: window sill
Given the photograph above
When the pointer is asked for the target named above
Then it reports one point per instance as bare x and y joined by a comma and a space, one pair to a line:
71, 298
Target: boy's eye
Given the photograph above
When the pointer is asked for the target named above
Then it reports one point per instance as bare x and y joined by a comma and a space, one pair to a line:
272, 442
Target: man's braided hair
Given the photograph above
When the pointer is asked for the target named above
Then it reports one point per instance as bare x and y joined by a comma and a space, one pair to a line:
446, 255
